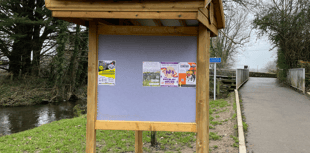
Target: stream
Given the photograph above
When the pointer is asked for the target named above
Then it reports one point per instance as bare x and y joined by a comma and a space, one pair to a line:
17, 119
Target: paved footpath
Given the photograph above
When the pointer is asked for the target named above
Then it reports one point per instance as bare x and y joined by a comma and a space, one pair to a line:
278, 117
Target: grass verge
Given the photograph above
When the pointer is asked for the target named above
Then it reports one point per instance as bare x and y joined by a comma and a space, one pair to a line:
69, 135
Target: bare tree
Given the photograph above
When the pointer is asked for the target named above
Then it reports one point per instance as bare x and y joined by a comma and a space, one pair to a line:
233, 37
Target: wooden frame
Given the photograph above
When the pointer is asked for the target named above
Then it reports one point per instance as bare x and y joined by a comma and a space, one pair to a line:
99, 6
98, 16
92, 87
145, 126
148, 30
202, 101
126, 15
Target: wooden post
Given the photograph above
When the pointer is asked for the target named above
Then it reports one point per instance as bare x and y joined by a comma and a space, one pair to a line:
92, 88
138, 142
202, 89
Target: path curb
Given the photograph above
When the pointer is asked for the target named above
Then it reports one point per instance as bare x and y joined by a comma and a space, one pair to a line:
242, 148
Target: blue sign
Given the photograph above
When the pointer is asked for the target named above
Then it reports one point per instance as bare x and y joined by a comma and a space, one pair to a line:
215, 60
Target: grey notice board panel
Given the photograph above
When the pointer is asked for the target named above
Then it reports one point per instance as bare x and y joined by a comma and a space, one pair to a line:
128, 100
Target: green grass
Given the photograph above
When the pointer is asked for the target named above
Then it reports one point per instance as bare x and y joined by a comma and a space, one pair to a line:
234, 116
236, 141
69, 135
214, 136
245, 126
220, 103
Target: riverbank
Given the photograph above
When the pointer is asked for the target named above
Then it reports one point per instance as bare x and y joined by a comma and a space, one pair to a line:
29, 91
69, 135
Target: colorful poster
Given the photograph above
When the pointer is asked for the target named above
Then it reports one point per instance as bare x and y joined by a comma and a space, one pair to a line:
106, 73
151, 74
187, 74
169, 74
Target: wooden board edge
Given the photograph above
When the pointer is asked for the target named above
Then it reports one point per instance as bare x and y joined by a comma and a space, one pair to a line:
219, 13
122, 10
126, 15
124, 5
202, 91
148, 30
145, 126
92, 89
204, 20
138, 142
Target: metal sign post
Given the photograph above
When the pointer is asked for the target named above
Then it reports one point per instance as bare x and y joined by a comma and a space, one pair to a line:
215, 60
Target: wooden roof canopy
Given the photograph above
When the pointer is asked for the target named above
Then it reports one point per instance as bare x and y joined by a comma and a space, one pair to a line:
167, 14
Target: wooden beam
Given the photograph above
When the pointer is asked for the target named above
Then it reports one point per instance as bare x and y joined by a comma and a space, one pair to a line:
157, 22
145, 126
202, 90
126, 15
219, 14
207, 13
183, 23
92, 88
135, 22
211, 13
84, 5
207, 2
138, 142
204, 20
103, 22
121, 21
148, 30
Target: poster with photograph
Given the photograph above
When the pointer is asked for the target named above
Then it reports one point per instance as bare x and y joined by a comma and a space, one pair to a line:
106, 72
169, 74
151, 74
187, 74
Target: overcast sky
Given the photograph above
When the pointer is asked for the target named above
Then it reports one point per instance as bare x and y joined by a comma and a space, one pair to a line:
256, 53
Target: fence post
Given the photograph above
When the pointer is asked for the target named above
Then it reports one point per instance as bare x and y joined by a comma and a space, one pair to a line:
237, 79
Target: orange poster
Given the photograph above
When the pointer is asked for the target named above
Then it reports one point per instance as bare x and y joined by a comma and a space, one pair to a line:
187, 74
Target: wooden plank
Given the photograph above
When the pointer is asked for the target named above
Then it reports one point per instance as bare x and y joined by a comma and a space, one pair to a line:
219, 14
92, 89
148, 30
157, 22
84, 5
135, 22
202, 102
145, 126
204, 20
103, 22
206, 13
207, 2
211, 12
138, 142
126, 15
183, 23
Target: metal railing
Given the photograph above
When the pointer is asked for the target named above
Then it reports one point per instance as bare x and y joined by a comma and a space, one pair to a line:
296, 78
242, 75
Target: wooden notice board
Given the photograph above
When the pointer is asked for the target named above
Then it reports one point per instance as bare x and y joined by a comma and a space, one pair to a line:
131, 32
128, 99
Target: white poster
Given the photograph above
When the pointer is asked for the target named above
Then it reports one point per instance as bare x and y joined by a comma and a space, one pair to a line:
169, 74
151, 74
106, 72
